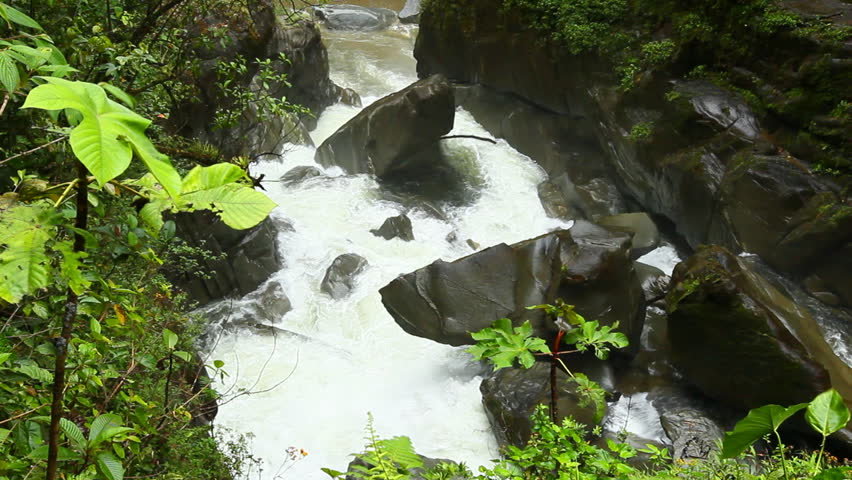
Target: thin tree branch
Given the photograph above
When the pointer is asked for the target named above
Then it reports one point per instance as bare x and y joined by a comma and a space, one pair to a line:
32, 150
475, 137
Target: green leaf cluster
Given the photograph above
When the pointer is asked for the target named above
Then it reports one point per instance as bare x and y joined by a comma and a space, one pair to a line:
503, 345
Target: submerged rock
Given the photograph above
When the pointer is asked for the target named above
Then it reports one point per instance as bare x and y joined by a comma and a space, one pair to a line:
743, 341
355, 17
399, 131
395, 227
300, 174
270, 302
339, 280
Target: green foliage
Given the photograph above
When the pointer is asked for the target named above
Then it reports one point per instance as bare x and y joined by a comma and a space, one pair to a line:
502, 345
641, 132
384, 459
591, 335
759, 422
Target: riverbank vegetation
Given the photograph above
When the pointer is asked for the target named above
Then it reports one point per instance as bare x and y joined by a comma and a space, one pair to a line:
98, 372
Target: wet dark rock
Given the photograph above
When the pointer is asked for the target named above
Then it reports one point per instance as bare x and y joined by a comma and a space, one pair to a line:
510, 396
744, 342
410, 13
355, 17
559, 198
600, 279
350, 97
397, 132
395, 227
587, 266
300, 174
599, 197
339, 280
691, 424
270, 302
646, 237
262, 36
655, 283
251, 256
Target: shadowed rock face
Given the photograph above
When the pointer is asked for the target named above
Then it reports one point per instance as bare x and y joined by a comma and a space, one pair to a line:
251, 256
397, 132
587, 266
395, 227
743, 341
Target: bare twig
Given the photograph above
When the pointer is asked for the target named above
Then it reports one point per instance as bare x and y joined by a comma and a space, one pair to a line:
32, 150
5, 103
475, 137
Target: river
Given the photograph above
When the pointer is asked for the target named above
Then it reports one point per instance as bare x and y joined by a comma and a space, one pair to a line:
339, 360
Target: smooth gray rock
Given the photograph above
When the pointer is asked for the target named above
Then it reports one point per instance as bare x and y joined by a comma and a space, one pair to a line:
339, 280
300, 174
395, 227
400, 131
355, 17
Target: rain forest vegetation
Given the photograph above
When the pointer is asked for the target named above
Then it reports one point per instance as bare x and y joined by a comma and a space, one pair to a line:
570, 450
98, 374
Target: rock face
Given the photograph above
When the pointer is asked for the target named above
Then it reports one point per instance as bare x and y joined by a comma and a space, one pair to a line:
355, 17
264, 36
587, 266
251, 256
339, 280
300, 174
688, 150
400, 131
395, 227
727, 322
511, 394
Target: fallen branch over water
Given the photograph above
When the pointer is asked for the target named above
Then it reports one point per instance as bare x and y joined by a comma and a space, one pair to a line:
469, 136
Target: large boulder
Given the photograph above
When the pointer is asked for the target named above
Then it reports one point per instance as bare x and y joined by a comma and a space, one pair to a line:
400, 131
238, 261
339, 280
646, 237
742, 339
355, 17
587, 266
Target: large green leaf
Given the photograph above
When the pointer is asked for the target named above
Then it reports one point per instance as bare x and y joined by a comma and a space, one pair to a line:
827, 413
9, 76
24, 264
16, 16
109, 466
838, 473
108, 134
757, 423
205, 178
239, 206
100, 425
74, 434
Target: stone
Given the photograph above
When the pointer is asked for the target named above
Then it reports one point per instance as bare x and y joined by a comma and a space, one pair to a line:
646, 237
398, 131
339, 280
250, 256
300, 174
355, 17
410, 13
655, 283
270, 302
691, 424
559, 198
587, 266
395, 227
510, 396
741, 339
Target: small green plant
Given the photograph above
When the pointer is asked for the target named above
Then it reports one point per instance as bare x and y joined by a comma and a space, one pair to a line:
826, 414
641, 132
502, 346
